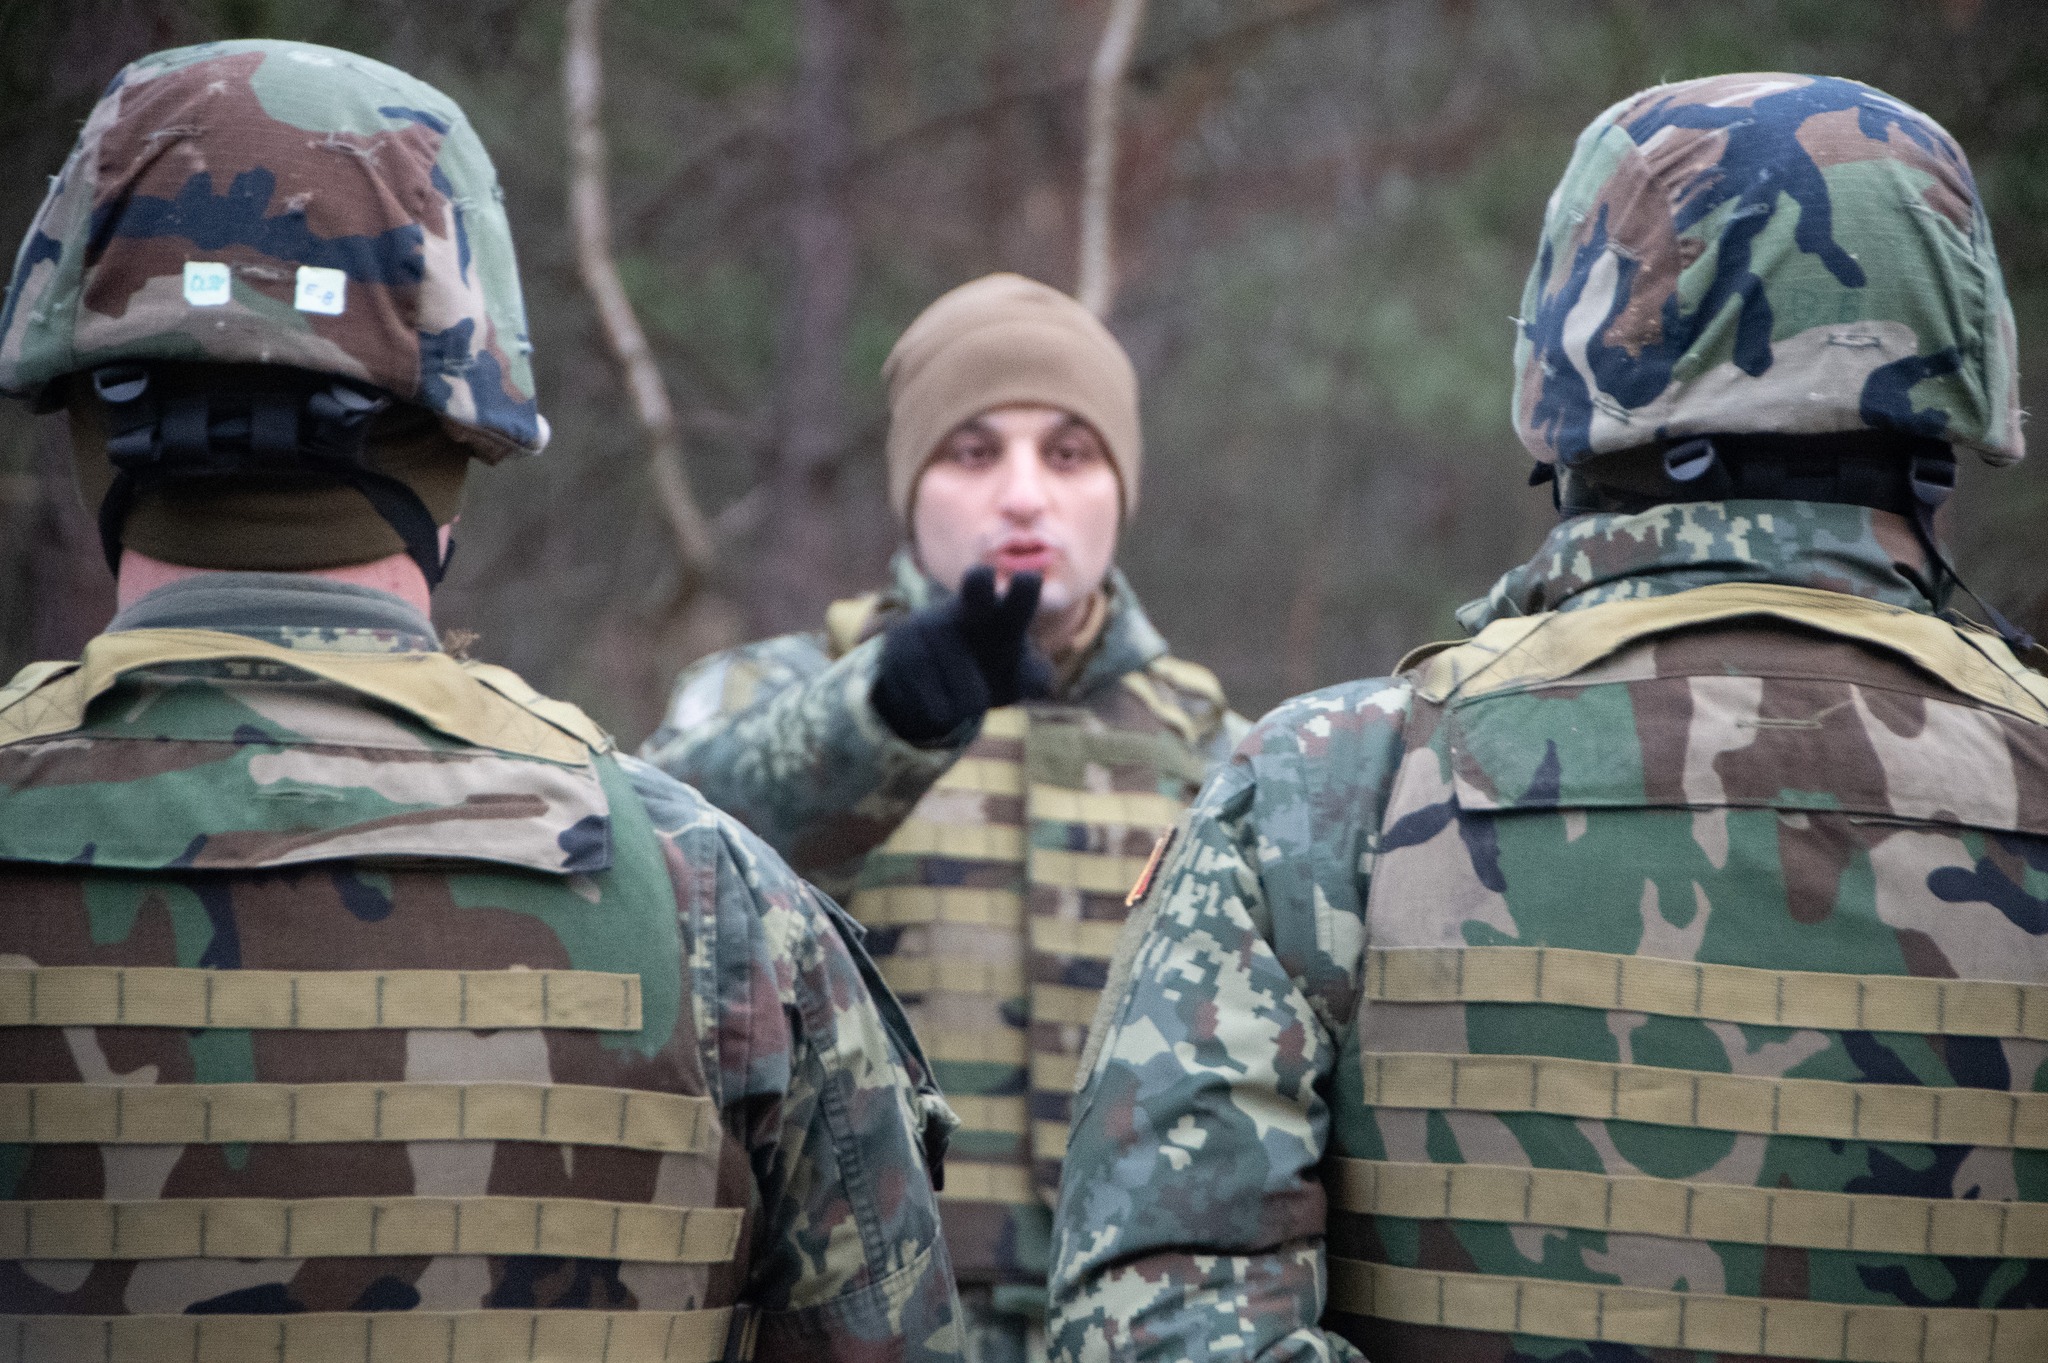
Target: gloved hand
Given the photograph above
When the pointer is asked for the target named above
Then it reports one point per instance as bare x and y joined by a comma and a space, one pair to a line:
950, 663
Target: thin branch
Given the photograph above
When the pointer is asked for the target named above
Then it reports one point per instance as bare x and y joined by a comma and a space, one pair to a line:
590, 221
1098, 189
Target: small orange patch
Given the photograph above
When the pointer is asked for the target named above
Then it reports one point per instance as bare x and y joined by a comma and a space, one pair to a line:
1144, 885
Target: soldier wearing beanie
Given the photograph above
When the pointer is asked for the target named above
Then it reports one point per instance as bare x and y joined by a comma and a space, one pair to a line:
1659, 973
362, 1003
979, 759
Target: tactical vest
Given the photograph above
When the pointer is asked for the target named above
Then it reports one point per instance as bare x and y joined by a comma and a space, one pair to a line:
345, 1019
993, 910
1705, 1005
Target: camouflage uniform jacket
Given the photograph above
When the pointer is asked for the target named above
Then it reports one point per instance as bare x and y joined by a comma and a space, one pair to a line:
991, 874
1599, 989
360, 1003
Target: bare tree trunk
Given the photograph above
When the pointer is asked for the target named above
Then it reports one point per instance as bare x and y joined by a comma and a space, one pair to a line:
800, 565
590, 221
1098, 188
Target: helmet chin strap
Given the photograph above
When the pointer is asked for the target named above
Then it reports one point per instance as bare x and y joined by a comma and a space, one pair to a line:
1910, 476
303, 426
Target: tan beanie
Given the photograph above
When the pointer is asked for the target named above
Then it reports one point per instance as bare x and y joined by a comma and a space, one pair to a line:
1000, 340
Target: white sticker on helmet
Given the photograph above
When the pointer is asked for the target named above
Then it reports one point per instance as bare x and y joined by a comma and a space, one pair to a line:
206, 283
321, 290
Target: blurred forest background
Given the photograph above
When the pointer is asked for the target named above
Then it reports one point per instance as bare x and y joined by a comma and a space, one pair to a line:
1324, 213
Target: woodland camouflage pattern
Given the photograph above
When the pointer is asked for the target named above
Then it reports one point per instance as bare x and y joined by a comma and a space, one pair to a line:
1765, 253
235, 817
268, 157
1750, 795
991, 877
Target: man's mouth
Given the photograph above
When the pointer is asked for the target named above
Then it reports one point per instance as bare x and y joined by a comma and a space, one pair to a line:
1022, 556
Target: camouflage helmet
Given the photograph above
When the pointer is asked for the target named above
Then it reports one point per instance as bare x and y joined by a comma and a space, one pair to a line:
1765, 253
284, 204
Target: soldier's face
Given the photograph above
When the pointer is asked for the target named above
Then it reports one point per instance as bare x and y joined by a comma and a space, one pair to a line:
1024, 490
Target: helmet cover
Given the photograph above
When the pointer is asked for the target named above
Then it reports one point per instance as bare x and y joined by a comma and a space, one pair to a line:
1765, 253
281, 203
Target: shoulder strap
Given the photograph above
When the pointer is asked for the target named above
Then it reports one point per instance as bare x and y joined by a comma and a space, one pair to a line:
1162, 705
30, 680
484, 706
1422, 653
1189, 677
846, 623
560, 713
1533, 650
1156, 685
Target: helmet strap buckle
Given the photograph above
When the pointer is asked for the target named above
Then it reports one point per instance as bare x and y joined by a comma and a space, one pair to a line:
1696, 465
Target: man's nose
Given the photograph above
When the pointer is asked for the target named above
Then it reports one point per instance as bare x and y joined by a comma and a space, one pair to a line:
1023, 489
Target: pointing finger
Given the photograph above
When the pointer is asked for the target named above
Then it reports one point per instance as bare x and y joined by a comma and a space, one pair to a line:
1020, 603
978, 592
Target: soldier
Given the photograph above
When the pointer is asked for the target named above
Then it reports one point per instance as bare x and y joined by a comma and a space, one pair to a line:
1663, 972
982, 775
361, 1002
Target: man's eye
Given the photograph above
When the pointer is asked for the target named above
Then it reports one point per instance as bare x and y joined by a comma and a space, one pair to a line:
971, 453
1072, 453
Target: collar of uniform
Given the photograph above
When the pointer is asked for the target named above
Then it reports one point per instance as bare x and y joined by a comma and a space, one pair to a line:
1590, 560
1128, 641
289, 609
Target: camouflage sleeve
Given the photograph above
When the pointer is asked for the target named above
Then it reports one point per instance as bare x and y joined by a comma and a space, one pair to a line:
830, 1101
787, 741
1225, 740
1190, 1222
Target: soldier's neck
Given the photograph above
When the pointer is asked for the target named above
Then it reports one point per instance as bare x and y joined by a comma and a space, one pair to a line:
396, 576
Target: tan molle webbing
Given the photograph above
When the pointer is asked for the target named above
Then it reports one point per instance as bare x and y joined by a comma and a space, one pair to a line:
1705, 1322
1677, 1209
967, 1181
901, 905
1061, 749
1091, 939
1006, 1115
297, 1114
1715, 993
351, 1227
1823, 1108
1054, 1073
1065, 1003
1530, 650
483, 706
1098, 872
1048, 1139
979, 1045
953, 975
984, 776
320, 1000
1009, 721
962, 842
1128, 809
381, 1337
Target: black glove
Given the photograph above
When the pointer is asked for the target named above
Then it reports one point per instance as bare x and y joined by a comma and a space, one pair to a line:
948, 664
